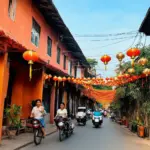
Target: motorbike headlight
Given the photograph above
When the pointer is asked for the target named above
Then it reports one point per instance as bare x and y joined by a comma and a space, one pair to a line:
60, 124
35, 122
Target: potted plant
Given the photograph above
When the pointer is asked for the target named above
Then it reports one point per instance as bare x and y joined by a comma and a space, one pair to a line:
13, 115
134, 126
141, 129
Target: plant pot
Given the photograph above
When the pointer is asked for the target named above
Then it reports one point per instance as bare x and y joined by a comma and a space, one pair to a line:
141, 131
11, 131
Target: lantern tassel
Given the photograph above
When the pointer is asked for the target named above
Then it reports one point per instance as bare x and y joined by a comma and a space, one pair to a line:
58, 84
55, 84
105, 67
63, 84
30, 72
132, 62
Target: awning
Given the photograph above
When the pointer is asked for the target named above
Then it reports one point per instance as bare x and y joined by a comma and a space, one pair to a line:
145, 26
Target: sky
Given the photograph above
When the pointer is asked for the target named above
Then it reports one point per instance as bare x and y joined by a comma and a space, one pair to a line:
97, 17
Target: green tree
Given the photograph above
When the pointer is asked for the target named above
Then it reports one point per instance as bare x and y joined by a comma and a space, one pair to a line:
93, 62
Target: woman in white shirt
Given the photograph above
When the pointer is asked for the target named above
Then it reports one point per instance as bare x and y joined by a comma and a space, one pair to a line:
62, 111
38, 113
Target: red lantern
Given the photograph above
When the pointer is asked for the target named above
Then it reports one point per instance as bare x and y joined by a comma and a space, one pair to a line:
31, 57
133, 52
105, 59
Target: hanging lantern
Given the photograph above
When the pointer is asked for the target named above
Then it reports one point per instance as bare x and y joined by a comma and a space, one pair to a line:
120, 56
146, 71
142, 61
31, 57
49, 76
105, 59
64, 79
59, 80
133, 53
126, 75
45, 76
131, 70
69, 79
55, 78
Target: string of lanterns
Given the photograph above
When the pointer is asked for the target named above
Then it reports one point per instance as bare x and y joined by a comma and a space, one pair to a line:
133, 53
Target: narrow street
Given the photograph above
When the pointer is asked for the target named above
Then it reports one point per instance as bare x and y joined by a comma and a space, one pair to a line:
110, 137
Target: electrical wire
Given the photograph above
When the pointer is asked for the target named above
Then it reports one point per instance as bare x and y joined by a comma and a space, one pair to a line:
105, 35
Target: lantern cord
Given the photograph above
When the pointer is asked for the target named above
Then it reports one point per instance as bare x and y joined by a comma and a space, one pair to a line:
30, 72
132, 63
105, 67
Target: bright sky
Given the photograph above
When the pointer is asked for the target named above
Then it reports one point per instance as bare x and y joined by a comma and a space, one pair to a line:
103, 17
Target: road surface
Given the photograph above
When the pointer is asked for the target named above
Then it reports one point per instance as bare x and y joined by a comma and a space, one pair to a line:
110, 136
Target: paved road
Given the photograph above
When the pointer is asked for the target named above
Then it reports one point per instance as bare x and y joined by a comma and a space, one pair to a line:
110, 137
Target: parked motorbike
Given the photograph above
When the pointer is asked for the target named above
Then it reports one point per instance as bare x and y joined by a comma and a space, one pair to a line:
38, 133
65, 126
97, 121
81, 115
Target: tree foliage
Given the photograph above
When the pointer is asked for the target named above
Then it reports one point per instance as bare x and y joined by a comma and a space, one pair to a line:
93, 62
133, 98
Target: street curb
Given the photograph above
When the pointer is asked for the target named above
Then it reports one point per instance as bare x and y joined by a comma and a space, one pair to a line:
29, 143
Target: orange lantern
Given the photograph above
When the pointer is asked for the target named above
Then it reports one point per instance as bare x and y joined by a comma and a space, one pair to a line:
55, 78
59, 80
64, 79
49, 76
120, 56
133, 53
69, 79
45, 76
143, 61
146, 71
31, 57
105, 59
131, 70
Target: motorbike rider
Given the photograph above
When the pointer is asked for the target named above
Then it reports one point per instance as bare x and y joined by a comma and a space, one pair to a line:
62, 111
38, 112
97, 113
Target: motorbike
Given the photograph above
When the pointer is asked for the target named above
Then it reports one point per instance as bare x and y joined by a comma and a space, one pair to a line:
97, 121
38, 133
65, 126
105, 114
81, 116
89, 114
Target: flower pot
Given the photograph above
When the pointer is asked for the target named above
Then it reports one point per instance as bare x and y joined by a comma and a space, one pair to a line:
141, 131
11, 131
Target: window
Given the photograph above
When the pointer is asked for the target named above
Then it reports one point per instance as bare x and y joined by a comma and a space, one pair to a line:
35, 34
49, 46
12, 9
58, 55
78, 72
70, 68
75, 71
65, 58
